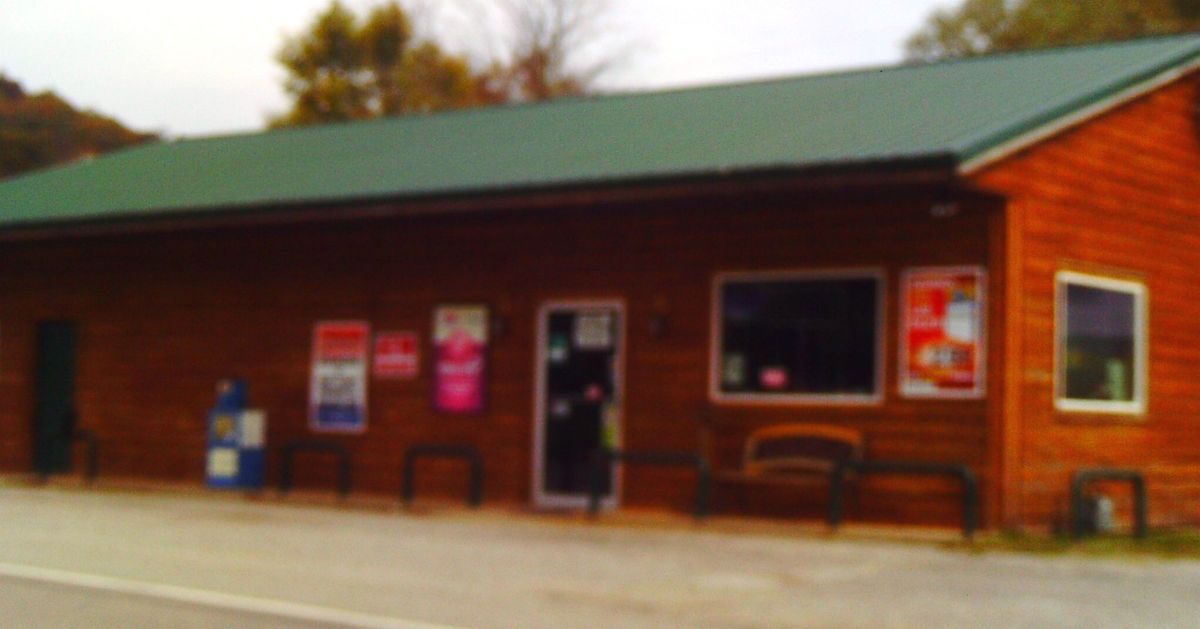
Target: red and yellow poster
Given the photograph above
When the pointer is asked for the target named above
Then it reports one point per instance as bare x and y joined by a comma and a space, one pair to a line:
460, 338
942, 333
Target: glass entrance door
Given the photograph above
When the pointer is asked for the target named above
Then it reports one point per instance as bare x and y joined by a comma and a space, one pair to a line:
579, 399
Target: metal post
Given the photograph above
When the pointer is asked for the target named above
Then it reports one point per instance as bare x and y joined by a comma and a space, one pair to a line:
703, 487
1077, 523
476, 481
837, 482
344, 474
837, 485
285, 472
409, 471
1141, 528
465, 453
291, 448
970, 503
599, 459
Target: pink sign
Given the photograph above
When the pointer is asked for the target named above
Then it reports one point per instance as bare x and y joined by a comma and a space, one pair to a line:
396, 355
773, 378
460, 358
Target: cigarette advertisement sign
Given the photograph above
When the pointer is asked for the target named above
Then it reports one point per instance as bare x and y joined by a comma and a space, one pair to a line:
942, 334
338, 392
460, 338
396, 355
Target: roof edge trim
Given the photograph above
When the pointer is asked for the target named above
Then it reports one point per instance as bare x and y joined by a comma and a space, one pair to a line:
935, 169
1058, 125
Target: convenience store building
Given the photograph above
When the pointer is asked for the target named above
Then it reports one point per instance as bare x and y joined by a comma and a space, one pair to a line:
990, 261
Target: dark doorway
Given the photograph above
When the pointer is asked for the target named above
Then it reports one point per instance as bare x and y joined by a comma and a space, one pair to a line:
54, 395
579, 398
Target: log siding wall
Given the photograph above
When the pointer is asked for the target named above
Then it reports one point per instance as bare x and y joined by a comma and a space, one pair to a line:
1118, 196
164, 316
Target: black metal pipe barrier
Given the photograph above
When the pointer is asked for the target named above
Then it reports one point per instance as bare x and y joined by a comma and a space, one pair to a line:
960, 472
93, 452
290, 449
603, 459
438, 451
1082, 478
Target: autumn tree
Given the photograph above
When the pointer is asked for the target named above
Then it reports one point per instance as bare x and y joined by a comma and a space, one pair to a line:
549, 49
346, 68
983, 26
38, 130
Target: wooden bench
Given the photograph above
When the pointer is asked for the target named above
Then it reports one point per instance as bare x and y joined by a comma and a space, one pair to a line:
795, 454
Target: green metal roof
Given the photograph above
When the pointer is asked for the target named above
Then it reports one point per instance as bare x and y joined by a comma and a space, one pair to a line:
959, 109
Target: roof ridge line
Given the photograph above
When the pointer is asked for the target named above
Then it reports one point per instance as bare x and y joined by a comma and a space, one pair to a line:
902, 66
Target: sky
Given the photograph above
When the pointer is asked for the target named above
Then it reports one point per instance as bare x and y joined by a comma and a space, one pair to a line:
203, 68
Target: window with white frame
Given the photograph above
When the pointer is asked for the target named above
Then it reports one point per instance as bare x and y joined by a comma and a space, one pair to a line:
798, 337
1100, 344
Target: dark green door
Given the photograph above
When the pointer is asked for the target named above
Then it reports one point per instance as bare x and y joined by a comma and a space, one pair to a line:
54, 394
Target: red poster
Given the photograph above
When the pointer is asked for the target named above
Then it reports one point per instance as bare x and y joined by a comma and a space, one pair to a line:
460, 336
397, 355
942, 335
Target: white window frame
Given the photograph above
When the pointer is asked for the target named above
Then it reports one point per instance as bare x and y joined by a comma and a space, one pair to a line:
1141, 343
875, 398
542, 498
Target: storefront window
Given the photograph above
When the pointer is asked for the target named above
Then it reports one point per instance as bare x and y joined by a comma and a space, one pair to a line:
1101, 337
799, 337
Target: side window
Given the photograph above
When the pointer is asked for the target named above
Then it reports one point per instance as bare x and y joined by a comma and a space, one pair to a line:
1101, 344
798, 337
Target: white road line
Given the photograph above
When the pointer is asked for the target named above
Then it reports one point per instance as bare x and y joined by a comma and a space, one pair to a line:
208, 598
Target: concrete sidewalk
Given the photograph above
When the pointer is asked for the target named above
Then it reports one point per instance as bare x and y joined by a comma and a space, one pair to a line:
385, 568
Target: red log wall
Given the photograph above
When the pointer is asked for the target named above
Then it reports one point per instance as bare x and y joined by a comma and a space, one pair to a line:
164, 316
1119, 196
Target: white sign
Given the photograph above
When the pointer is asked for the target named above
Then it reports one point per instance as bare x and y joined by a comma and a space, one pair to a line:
594, 330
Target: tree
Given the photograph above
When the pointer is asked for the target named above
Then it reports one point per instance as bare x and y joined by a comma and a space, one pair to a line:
344, 68
38, 130
983, 26
548, 49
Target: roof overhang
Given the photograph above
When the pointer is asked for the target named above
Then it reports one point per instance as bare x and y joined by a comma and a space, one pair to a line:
931, 173
1079, 116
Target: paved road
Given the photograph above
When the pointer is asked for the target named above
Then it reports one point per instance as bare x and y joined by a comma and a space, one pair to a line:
95, 559
33, 604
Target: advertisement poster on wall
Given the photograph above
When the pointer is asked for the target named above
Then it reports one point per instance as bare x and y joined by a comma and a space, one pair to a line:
942, 336
397, 355
338, 392
460, 339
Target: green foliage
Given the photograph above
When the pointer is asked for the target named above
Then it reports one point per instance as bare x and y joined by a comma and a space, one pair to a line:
347, 68
38, 130
431, 81
983, 26
1168, 544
